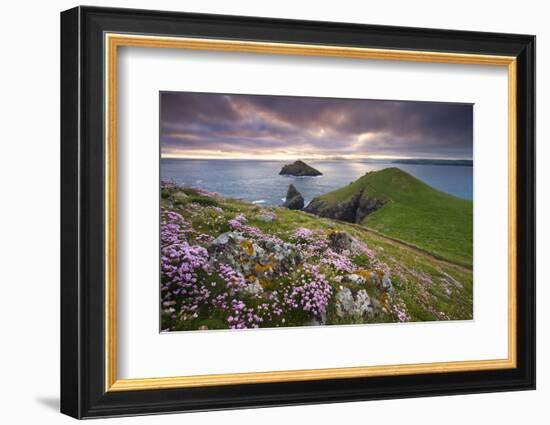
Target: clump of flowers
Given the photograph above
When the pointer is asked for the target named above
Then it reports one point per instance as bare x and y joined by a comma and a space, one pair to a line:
217, 210
242, 317
362, 248
182, 266
174, 228
203, 192
311, 293
233, 280
271, 309
340, 262
302, 234
400, 311
256, 234
204, 238
237, 222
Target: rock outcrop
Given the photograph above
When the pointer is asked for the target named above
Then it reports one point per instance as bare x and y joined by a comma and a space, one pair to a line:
339, 241
300, 169
294, 199
353, 309
253, 257
353, 210
377, 278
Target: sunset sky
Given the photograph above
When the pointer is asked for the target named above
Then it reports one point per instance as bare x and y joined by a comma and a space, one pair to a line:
202, 125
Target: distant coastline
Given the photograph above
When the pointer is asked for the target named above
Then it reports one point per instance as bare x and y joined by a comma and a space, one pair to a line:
456, 162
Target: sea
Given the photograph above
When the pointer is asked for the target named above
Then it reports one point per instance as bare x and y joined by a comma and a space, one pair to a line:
258, 181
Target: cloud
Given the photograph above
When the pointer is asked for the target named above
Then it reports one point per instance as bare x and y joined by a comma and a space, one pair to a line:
301, 126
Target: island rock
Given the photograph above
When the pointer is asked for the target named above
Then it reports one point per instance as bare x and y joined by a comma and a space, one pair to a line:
300, 169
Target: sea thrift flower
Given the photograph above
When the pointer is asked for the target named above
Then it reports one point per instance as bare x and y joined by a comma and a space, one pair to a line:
233, 280
400, 311
204, 238
302, 235
182, 266
340, 262
203, 192
241, 219
312, 294
235, 224
242, 317
362, 248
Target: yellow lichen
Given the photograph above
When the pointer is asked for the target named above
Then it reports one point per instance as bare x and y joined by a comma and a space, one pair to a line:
247, 247
260, 268
367, 274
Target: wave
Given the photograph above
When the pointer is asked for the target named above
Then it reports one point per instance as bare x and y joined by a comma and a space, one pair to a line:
259, 201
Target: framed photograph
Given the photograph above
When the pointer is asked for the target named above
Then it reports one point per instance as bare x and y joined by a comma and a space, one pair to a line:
261, 212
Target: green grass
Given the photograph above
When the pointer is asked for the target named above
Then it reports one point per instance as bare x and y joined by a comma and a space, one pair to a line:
415, 212
420, 281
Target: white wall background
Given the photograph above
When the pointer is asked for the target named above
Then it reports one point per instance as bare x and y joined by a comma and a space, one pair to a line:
29, 213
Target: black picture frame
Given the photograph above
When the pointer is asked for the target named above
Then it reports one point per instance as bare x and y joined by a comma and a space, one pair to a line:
83, 392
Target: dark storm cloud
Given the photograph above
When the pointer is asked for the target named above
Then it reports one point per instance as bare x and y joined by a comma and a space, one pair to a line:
280, 125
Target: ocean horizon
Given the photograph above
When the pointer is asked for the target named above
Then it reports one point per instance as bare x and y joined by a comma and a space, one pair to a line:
258, 180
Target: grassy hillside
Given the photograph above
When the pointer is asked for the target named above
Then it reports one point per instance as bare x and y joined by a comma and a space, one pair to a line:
282, 269
415, 212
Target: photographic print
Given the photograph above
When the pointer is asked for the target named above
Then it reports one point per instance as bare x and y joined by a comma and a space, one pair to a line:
286, 211
263, 213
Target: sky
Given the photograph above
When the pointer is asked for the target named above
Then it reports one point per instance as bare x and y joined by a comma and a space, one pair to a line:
206, 125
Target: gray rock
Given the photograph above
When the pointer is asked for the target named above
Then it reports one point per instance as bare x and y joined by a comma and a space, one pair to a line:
353, 309
226, 249
386, 284
344, 302
294, 199
265, 218
363, 306
247, 255
284, 256
355, 279
254, 288
225, 239
339, 241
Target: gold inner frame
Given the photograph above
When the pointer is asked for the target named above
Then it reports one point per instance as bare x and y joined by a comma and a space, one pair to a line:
113, 41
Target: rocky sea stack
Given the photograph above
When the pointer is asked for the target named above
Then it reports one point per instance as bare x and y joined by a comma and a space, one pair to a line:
300, 169
294, 199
